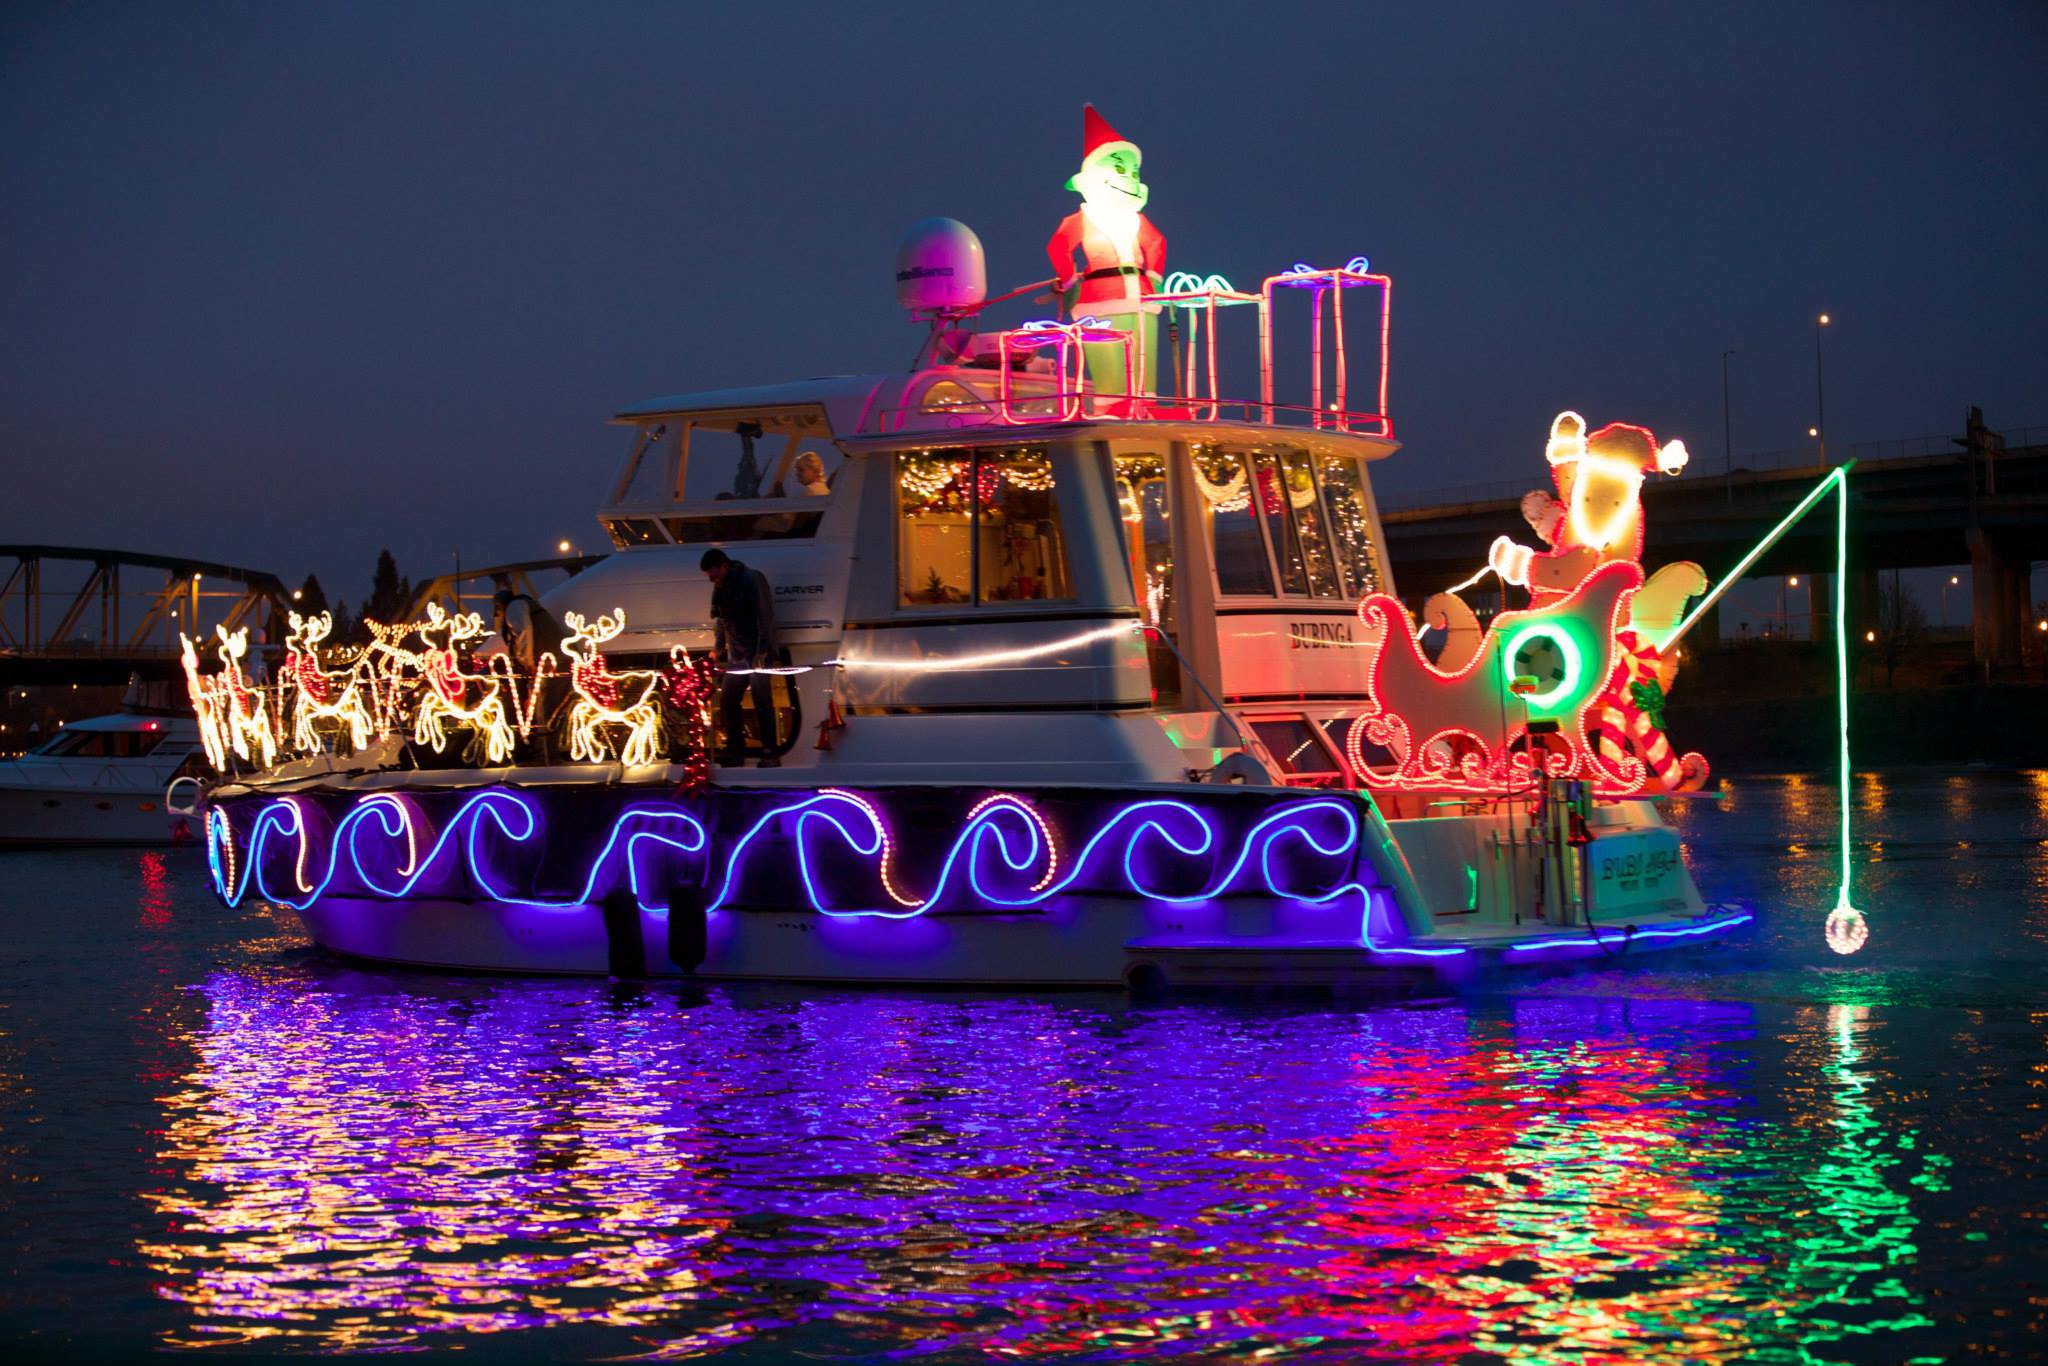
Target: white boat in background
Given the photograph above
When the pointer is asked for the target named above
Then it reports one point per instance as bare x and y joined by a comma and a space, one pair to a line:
100, 780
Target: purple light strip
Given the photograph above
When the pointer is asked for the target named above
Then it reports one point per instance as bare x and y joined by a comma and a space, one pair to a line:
1186, 831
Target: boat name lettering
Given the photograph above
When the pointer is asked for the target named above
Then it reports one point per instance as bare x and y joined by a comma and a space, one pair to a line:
1632, 872
798, 590
1318, 635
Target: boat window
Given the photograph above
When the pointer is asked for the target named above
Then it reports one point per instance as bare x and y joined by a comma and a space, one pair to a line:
1297, 747
1337, 729
1148, 535
1141, 498
1241, 564
1022, 556
947, 396
745, 526
649, 472
1311, 525
1350, 527
1273, 500
632, 531
978, 526
103, 744
757, 455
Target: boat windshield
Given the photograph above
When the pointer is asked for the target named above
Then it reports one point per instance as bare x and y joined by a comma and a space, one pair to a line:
100, 744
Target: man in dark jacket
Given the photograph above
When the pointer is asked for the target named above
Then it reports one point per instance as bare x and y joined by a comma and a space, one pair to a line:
743, 626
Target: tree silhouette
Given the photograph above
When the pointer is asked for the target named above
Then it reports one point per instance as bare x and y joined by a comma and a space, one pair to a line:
387, 592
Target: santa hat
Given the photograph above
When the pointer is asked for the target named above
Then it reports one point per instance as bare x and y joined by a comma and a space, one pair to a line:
1098, 139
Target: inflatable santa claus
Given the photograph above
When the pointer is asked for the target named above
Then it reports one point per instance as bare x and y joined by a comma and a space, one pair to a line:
1122, 257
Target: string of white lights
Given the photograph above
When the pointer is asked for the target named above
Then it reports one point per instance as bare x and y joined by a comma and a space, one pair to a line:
979, 661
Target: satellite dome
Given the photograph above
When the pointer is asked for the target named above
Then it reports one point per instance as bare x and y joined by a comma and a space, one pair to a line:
940, 269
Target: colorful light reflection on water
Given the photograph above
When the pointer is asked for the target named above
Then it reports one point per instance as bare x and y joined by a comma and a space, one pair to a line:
364, 1166
1775, 1160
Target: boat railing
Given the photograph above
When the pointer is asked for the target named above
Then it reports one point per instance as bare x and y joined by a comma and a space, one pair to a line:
1086, 405
1034, 374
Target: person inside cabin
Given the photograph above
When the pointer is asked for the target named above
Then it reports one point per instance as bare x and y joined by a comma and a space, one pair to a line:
808, 475
743, 644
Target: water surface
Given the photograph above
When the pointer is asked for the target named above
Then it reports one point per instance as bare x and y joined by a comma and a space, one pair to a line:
213, 1137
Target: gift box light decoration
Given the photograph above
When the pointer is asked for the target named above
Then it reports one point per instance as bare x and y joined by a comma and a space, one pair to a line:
1067, 340
1328, 284
1191, 297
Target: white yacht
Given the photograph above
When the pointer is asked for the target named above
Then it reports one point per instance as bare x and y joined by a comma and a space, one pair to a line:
100, 780
1075, 683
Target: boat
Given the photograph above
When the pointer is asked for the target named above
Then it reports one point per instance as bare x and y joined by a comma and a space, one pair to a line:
1084, 674
101, 780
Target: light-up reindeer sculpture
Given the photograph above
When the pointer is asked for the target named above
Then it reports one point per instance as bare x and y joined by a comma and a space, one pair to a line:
314, 697
231, 712
448, 694
605, 699
206, 707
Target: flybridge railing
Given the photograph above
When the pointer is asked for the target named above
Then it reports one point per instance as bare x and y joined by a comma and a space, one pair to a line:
1041, 369
1069, 406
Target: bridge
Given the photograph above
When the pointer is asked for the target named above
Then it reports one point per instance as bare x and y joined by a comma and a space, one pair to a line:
1978, 502
73, 614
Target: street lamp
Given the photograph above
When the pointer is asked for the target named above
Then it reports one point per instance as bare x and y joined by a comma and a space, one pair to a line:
1953, 580
1820, 391
564, 547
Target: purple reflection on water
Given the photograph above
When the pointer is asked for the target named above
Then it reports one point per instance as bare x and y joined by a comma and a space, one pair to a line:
365, 1161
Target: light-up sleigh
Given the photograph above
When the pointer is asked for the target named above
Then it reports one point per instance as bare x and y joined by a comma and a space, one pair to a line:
1083, 678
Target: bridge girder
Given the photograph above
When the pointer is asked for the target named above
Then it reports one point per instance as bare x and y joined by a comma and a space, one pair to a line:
31, 651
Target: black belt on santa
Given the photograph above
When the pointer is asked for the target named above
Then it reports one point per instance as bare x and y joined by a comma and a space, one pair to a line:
1111, 272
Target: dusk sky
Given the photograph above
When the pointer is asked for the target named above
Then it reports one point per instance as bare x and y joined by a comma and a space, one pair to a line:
287, 283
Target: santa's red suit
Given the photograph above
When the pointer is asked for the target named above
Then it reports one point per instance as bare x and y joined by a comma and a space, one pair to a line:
1117, 264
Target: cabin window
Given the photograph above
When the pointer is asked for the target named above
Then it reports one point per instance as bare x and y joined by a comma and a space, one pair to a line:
1241, 564
745, 526
1350, 526
632, 531
1141, 498
1310, 524
1148, 534
947, 396
764, 454
650, 466
103, 744
978, 527
1299, 748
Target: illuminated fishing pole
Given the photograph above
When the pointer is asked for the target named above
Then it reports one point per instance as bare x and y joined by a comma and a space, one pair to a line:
1846, 930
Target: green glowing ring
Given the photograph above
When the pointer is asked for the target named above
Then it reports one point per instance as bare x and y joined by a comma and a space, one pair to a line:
1574, 662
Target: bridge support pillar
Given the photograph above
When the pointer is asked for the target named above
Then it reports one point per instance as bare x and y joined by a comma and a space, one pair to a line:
1998, 601
1820, 607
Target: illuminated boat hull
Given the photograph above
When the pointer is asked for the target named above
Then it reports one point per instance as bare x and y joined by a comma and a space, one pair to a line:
935, 885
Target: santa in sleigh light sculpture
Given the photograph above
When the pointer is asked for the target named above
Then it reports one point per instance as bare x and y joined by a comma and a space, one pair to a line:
1573, 685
